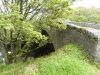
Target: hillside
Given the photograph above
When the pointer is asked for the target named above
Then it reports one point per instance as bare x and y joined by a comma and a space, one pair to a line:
69, 60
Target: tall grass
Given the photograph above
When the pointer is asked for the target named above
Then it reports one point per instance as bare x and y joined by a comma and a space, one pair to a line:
70, 60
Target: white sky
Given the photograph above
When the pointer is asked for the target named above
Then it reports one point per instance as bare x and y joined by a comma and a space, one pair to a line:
87, 3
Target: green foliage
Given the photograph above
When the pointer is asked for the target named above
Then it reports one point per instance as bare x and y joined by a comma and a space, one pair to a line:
54, 13
70, 60
82, 14
22, 21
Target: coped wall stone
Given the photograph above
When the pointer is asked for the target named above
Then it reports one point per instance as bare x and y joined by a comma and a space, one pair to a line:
86, 37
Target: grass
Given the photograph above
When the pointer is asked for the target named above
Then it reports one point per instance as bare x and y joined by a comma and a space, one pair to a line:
69, 60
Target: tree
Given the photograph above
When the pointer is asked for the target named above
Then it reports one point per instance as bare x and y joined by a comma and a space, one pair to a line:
23, 20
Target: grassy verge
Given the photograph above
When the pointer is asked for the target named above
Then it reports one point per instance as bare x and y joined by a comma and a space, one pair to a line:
70, 60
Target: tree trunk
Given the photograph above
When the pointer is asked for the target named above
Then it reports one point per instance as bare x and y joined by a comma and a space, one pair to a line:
21, 6
12, 43
4, 53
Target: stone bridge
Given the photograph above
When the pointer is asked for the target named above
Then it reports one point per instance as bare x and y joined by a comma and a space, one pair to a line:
87, 35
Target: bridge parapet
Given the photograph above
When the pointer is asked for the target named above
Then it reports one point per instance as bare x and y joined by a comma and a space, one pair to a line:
86, 36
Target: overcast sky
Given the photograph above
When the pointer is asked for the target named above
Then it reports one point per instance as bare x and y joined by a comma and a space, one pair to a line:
88, 3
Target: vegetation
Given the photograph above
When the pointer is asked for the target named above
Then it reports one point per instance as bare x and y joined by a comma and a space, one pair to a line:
82, 14
70, 60
21, 26
21, 23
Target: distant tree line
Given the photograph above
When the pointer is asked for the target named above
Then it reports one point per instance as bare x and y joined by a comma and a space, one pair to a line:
82, 14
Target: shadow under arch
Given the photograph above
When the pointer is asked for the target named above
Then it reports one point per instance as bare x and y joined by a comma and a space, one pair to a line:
44, 50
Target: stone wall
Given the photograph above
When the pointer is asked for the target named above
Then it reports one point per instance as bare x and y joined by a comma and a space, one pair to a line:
85, 24
88, 38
